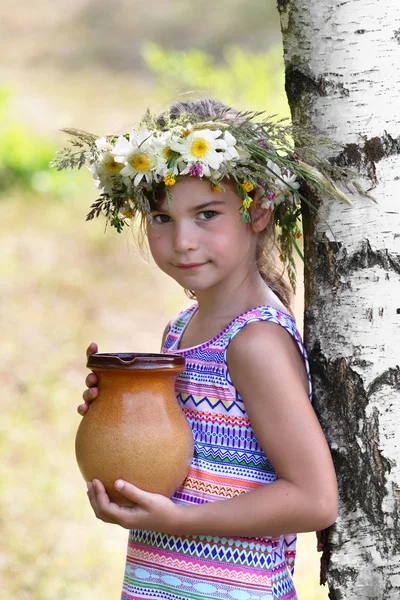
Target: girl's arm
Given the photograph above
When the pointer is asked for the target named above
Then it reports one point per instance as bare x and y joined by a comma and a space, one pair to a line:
268, 371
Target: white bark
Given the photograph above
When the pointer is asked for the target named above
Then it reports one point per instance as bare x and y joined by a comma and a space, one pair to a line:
343, 76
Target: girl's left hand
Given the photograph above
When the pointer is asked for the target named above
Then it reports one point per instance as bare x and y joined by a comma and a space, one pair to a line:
151, 511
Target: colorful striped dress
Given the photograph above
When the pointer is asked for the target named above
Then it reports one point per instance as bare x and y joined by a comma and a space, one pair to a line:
227, 461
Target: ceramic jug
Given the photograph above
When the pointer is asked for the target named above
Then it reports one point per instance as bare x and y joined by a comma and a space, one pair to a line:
135, 429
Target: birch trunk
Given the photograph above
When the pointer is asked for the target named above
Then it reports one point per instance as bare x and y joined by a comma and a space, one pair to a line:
342, 61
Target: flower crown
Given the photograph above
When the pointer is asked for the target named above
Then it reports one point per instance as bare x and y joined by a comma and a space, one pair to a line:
128, 169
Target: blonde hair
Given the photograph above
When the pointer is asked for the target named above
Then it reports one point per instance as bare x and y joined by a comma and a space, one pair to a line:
267, 250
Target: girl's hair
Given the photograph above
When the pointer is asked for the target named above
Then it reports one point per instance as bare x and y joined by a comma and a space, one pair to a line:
267, 251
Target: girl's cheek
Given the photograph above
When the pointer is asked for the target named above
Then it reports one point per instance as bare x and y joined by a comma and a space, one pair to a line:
156, 245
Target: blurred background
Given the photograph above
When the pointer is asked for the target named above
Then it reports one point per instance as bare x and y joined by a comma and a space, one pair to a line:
64, 282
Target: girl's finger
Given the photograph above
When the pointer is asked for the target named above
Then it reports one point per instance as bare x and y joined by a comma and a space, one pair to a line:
133, 493
91, 349
90, 394
93, 499
82, 409
91, 380
105, 508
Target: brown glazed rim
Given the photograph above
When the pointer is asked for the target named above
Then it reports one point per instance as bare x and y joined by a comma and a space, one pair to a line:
135, 361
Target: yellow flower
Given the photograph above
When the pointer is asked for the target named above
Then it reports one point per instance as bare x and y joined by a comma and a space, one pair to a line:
247, 185
247, 202
169, 179
297, 236
129, 214
216, 188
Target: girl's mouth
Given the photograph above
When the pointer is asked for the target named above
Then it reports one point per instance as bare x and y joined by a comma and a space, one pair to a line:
189, 266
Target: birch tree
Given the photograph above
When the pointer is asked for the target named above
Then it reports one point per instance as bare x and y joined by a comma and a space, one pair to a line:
342, 62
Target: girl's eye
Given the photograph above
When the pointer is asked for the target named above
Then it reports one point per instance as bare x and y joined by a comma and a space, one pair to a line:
161, 218
208, 214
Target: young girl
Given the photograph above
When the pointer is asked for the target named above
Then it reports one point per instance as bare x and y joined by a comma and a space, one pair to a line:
261, 469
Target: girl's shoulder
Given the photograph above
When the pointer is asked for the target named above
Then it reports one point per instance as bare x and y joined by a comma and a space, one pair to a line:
265, 312
268, 338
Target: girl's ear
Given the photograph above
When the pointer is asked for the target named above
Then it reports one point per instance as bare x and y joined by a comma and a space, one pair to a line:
260, 217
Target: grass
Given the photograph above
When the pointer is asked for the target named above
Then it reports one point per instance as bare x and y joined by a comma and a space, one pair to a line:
64, 283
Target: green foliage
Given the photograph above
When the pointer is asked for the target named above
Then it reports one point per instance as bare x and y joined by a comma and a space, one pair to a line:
25, 156
245, 80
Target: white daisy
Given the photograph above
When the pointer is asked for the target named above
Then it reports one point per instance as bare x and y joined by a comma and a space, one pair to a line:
105, 171
284, 183
275, 169
290, 179
267, 204
163, 151
201, 147
231, 152
104, 145
137, 155
289, 183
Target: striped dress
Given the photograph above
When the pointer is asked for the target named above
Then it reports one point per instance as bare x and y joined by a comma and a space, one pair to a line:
227, 461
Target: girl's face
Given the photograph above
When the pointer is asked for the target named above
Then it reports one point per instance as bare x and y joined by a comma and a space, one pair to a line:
199, 240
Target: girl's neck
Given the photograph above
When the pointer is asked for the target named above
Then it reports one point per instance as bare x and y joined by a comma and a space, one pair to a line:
234, 298
217, 308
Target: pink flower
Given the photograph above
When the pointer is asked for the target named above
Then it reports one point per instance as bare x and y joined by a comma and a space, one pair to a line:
271, 195
196, 170
264, 144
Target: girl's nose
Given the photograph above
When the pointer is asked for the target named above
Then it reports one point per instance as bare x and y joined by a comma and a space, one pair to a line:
184, 238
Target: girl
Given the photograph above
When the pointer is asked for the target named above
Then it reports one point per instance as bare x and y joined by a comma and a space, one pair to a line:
261, 469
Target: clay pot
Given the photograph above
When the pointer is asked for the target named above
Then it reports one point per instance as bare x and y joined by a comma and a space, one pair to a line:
135, 429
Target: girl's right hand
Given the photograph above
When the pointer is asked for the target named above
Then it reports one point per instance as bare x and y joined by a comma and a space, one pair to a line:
92, 391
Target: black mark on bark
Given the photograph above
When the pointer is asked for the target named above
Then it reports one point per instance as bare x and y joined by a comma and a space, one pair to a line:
301, 85
340, 401
365, 155
330, 271
282, 5
397, 36
360, 31
366, 258
374, 149
324, 546
336, 87
391, 378
344, 574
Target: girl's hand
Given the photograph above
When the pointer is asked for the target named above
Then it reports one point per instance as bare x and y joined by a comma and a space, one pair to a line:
151, 511
91, 393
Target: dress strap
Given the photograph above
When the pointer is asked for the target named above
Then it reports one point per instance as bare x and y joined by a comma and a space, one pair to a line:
176, 327
274, 315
